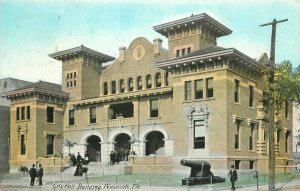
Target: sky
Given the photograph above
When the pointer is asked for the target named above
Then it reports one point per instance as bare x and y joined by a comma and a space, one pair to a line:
31, 30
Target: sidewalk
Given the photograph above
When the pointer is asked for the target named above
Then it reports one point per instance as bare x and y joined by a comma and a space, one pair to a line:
53, 182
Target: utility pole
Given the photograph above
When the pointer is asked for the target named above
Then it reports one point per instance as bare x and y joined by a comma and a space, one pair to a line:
271, 104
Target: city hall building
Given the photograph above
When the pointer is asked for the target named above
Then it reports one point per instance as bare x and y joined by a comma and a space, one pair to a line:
193, 100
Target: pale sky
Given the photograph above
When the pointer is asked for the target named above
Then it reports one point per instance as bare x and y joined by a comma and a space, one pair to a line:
31, 30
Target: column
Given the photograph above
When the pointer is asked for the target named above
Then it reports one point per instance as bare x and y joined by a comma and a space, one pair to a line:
105, 153
261, 145
169, 147
142, 148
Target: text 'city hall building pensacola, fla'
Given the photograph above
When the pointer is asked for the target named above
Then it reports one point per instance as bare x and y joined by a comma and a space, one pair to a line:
194, 100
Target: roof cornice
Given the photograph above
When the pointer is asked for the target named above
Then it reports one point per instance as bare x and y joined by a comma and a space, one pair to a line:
223, 53
194, 19
81, 49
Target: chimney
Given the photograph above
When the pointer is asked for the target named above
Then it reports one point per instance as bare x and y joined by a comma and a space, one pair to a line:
157, 46
121, 53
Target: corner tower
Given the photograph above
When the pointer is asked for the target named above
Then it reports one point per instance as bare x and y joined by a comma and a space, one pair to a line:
191, 34
81, 69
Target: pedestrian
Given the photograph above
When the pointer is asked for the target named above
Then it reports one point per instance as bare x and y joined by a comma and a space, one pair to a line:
79, 157
233, 177
73, 159
40, 174
32, 173
111, 157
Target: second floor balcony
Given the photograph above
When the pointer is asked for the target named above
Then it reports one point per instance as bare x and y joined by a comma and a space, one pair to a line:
119, 121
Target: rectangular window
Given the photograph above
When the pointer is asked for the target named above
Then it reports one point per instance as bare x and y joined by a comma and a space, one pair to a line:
71, 117
74, 74
188, 90
237, 164
251, 164
71, 83
23, 113
198, 89
71, 75
67, 76
93, 115
74, 82
28, 112
50, 114
50, 144
286, 109
251, 96
236, 91
287, 142
209, 87
18, 114
68, 84
23, 145
251, 137
199, 134
177, 53
189, 50
237, 136
154, 108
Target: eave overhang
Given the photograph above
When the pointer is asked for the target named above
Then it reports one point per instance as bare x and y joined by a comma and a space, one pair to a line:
200, 19
231, 54
81, 50
29, 91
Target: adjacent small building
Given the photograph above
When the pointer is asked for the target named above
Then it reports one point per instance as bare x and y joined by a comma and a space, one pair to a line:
36, 122
6, 85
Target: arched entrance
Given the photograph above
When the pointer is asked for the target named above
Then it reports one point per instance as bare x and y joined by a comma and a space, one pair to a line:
94, 148
122, 145
155, 143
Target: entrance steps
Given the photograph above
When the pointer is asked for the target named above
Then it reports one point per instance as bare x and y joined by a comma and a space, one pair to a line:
100, 169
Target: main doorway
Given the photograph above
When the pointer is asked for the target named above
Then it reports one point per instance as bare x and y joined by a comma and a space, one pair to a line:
94, 148
155, 143
122, 146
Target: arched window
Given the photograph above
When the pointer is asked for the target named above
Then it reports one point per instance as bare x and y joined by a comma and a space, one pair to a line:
113, 87
105, 88
148, 81
158, 80
122, 86
139, 83
130, 84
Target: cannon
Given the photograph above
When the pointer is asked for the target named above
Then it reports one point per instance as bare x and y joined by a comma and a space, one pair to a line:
200, 173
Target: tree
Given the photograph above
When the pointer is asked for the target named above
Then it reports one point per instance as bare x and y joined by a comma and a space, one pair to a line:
287, 83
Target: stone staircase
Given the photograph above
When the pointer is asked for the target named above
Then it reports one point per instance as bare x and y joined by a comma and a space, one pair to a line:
99, 169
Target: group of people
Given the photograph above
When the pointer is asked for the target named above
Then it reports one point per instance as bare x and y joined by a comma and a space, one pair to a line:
114, 157
33, 172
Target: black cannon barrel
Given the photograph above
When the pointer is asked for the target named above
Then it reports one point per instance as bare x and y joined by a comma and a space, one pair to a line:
195, 163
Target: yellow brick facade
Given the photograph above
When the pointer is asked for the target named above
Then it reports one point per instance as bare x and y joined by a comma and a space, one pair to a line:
145, 101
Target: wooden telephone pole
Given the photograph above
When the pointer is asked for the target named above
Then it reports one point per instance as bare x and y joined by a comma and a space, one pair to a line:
271, 104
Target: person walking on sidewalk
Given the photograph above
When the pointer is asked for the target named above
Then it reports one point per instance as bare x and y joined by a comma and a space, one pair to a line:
32, 173
40, 174
233, 177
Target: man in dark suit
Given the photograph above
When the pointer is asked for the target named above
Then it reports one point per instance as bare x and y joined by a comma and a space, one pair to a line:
32, 173
40, 174
233, 177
